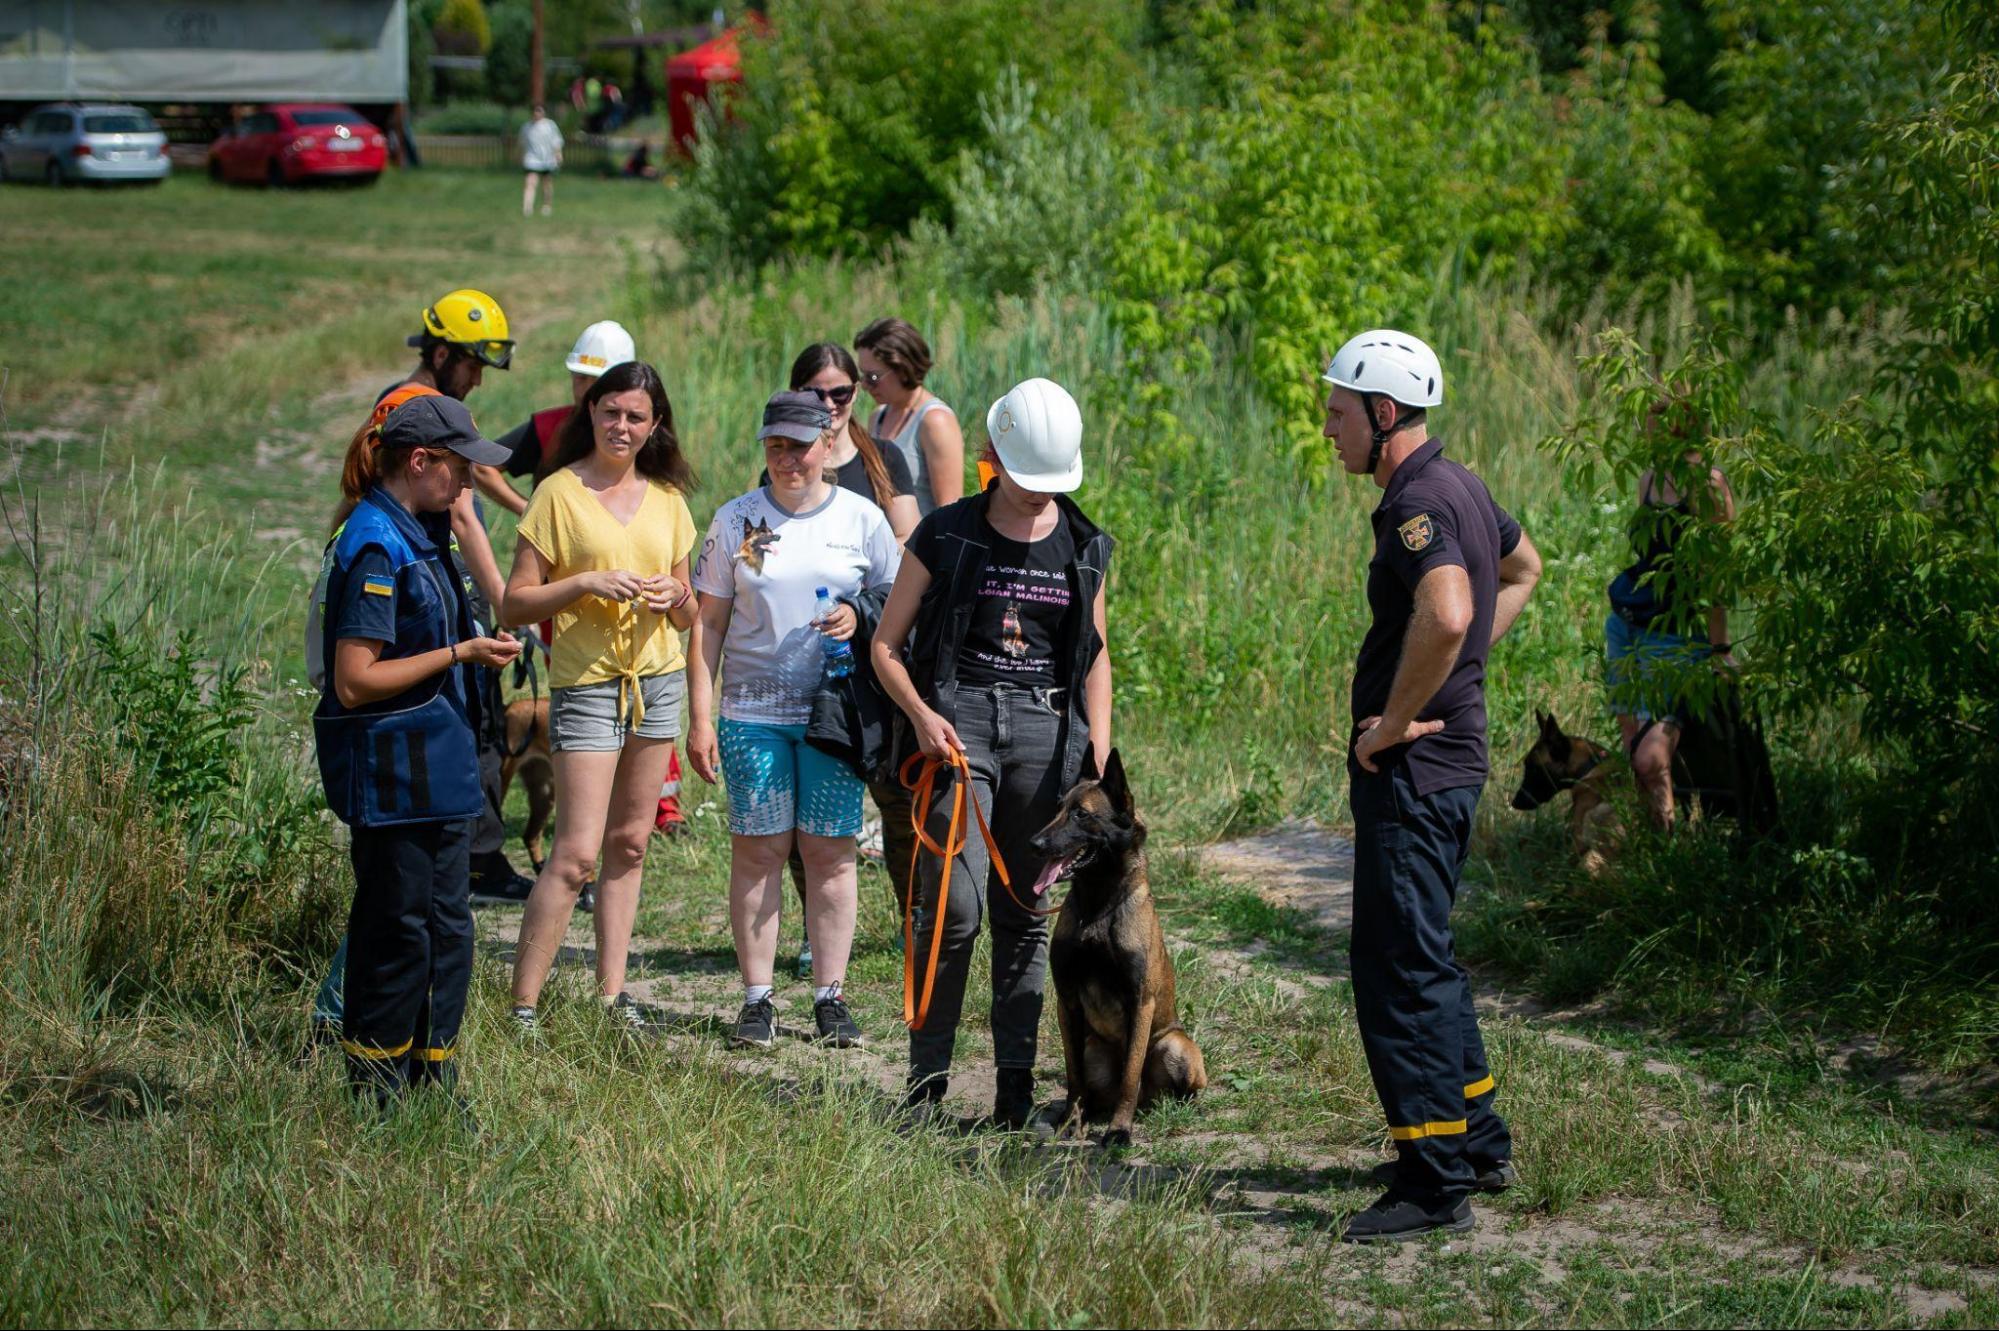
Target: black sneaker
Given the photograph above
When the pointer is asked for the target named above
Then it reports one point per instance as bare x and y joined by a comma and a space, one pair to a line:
627, 1016
1396, 1219
836, 1024
495, 881
586, 900
756, 1026
1491, 1178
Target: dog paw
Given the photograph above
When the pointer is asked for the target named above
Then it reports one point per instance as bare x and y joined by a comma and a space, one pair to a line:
1115, 1138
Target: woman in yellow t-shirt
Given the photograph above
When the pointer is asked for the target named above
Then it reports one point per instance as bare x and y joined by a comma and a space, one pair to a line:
603, 550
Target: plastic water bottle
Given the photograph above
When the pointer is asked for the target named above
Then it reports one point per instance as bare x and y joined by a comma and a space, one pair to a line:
839, 655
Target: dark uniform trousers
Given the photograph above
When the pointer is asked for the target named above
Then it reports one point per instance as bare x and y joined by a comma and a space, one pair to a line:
409, 955
489, 832
1412, 998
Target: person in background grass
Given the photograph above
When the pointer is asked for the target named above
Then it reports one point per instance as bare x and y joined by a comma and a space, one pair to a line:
598, 348
1644, 654
766, 555
604, 550
1001, 601
879, 476
1451, 572
541, 159
396, 736
911, 420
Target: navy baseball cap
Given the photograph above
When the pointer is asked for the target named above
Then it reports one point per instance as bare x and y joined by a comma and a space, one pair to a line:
800, 416
436, 421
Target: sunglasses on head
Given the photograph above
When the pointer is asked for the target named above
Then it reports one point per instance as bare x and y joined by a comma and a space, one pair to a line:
839, 397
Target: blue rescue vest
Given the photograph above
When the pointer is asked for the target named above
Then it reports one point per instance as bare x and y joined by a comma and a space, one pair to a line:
412, 758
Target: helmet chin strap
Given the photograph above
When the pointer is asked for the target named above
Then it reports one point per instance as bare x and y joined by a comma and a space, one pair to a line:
1382, 436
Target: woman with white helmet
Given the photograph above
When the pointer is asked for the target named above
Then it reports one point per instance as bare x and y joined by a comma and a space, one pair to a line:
1001, 601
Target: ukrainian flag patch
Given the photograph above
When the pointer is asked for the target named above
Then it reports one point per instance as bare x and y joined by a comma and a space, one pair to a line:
378, 586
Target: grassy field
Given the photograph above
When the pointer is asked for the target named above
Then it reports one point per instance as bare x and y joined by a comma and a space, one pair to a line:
182, 369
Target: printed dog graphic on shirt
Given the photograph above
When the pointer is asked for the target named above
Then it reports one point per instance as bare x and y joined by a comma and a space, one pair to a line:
757, 542
1011, 636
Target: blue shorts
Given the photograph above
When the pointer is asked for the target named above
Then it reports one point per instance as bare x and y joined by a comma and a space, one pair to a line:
777, 782
1644, 667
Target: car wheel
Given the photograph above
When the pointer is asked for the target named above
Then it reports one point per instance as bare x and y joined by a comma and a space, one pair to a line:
274, 175
54, 175
215, 171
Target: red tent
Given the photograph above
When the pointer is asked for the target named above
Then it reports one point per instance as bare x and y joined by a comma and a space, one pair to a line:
691, 75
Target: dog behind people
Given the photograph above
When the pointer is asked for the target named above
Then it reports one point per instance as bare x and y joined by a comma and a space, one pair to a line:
527, 756
1560, 762
1123, 1047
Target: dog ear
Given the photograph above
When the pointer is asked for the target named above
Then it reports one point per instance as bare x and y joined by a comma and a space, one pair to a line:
1547, 722
1090, 772
1116, 790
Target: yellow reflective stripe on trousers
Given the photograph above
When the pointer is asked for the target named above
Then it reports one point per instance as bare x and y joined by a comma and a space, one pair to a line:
371, 1051
1451, 1129
435, 1055
1478, 1088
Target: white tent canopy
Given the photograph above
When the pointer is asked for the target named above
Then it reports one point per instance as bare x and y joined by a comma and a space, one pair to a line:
204, 50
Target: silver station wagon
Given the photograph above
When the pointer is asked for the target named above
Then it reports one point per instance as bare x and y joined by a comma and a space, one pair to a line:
72, 142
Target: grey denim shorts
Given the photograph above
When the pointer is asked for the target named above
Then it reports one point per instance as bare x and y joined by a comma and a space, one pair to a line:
584, 717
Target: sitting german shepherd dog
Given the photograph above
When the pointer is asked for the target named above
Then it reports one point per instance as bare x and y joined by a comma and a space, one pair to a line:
1122, 1043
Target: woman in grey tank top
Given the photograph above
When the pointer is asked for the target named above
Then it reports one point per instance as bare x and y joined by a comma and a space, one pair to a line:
894, 359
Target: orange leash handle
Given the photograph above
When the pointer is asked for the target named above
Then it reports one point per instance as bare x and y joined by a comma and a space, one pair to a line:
922, 785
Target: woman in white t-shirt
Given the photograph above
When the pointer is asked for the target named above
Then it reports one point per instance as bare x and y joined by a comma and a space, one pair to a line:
766, 555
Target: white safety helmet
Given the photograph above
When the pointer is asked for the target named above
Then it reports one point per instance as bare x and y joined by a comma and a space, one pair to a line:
1037, 430
602, 345
1393, 364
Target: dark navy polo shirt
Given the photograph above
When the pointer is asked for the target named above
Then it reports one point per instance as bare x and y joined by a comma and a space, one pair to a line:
1434, 512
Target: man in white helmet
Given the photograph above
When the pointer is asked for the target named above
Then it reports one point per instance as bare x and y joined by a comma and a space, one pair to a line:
1450, 574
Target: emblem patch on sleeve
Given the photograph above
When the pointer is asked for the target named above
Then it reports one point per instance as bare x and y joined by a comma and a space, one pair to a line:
1416, 532
378, 586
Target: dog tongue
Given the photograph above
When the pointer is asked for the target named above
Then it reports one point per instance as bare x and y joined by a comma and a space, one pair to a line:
1051, 874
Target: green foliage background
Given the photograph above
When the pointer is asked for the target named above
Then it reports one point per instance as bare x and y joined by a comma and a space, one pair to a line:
1781, 209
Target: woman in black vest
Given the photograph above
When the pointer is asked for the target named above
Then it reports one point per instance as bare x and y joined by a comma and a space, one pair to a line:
1009, 666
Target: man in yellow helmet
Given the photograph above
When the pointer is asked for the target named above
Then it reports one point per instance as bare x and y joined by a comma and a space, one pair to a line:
464, 334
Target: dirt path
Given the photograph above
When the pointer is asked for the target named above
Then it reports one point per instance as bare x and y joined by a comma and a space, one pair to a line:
1279, 1194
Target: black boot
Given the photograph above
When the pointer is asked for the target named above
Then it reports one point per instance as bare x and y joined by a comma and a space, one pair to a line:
495, 881
923, 1105
1013, 1099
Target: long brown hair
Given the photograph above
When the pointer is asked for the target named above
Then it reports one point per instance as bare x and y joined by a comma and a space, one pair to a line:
368, 461
819, 356
898, 345
660, 457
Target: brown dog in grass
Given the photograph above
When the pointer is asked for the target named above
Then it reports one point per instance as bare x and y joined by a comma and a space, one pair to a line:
527, 757
1123, 1047
1560, 762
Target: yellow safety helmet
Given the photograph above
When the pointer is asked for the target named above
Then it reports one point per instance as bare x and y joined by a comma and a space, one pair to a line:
472, 320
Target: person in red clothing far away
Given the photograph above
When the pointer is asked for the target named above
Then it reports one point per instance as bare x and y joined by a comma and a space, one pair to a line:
601, 346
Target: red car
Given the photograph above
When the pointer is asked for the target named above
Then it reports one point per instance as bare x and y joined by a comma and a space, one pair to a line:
299, 141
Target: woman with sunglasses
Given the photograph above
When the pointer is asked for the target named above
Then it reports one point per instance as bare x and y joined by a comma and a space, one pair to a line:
912, 420
767, 556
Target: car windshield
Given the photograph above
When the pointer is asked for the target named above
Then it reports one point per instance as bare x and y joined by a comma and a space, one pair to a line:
126, 123
303, 118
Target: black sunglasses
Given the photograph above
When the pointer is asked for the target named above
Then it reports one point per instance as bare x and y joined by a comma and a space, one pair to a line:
839, 397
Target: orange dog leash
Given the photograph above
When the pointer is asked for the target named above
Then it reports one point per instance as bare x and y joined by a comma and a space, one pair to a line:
922, 786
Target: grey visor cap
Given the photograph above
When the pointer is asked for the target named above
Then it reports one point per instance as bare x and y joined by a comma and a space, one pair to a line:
436, 421
800, 416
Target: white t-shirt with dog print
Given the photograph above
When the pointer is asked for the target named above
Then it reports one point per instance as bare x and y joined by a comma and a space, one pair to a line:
771, 563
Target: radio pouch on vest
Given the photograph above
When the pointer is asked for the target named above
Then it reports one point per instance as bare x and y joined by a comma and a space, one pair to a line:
416, 765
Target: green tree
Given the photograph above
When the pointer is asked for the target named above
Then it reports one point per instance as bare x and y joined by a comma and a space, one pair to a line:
462, 28
509, 60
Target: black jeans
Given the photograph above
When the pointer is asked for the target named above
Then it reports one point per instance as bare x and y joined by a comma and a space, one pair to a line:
1012, 739
1411, 995
409, 954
